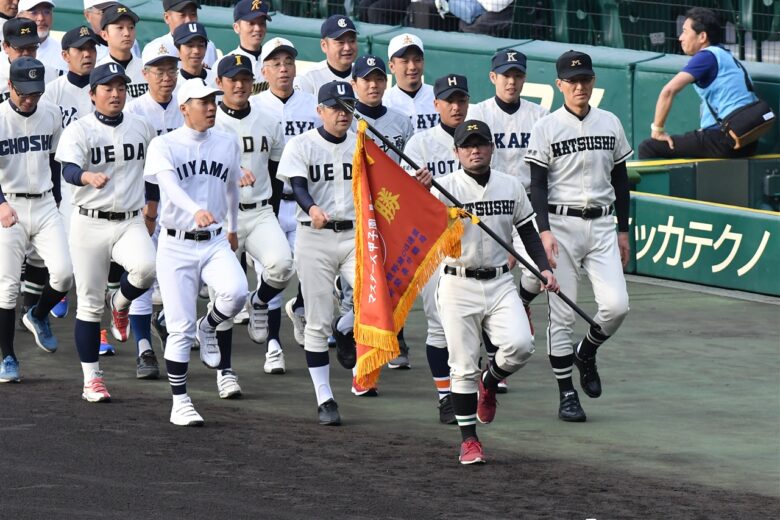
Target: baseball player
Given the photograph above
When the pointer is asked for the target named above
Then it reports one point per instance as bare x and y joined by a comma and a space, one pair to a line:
481, 271
261, 140
197, 169
29, 132
318, 166
432, 149
191, 42
20, 38
410, 95
158, 108
117, 28
8, 10
42, 13
103, 154
93, 14
175, 14
297, 112
339, 44
577, 156
249, 22
511, 120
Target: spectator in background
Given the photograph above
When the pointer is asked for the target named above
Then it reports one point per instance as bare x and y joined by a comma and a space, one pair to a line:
42, 13
493, 17
388, 12
718, 79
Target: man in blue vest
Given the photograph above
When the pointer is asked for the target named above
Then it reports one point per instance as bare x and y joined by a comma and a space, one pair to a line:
721, 83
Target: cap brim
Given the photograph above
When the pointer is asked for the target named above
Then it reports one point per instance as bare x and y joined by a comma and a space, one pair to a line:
507, 67
335, 103
189, 38
232, 73
181, 5
282, 48
252, 16
473, 135
158, 59
400, 52
23, 41
206, 92
340, 33
573, 73
132, 16
369, 71
446, 94
29, 87
80, 42
109, 79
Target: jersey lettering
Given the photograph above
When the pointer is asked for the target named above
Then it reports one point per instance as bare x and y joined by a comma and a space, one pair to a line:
443, 167
68, 115
32, 143
297, 127
249, 144
4, 96
486, 208
137, 89
580, 144
427, 121
107, 154
325, 172
513, 142
211, 168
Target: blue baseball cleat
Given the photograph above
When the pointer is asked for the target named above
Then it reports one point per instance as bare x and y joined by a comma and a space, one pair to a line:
44, 337
61, 309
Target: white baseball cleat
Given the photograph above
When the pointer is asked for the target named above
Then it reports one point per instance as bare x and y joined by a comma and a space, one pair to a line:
183, 414
274, 362
258, 320
209, 348
95, 389
242, 317
227, 384
298, 321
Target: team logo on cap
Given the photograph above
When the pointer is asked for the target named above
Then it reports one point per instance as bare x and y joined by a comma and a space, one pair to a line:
162, 50
237, 58
256, 5
574, 63
192, 27
342, 22
341, 89
511, 56
24, 30
452, 80
84, 31
278, 43
32, 74
121, 9
469, 128
112, 68
408, 40
371, 62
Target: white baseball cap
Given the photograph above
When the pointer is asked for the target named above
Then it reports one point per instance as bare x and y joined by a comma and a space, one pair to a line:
94, 3
154, 53
195, 88
400, 43
277, 44
26, 5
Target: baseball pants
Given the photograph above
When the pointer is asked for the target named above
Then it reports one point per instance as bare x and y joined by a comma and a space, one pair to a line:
468, 306
435, 336
94, 243
260, 235
181, 266
143, 305
320, 255
592, 245
39, 227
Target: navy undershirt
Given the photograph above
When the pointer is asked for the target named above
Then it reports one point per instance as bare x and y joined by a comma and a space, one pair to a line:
372, 112
509, 108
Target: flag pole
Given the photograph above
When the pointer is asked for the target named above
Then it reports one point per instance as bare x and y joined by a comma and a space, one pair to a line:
508, 247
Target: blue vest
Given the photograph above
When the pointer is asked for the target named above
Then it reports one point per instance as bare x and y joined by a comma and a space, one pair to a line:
727, 93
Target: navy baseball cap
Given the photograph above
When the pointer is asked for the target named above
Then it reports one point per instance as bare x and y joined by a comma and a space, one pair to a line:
336, 25
233, 64
250, 9
572, 64
187, 32
470, 128
449, 85
179, 5
20, 32
365, 65
508, 60
114, 12
103, 74
26, 75
77, 37
329, 93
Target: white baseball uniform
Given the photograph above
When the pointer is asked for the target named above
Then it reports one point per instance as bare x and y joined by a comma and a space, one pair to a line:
50, 53
468, 305
393, 125
579, 156
50, 75
317, 76
422, 113
195, 170
135, 71
111, 216
210, 60
322, 254
26, 143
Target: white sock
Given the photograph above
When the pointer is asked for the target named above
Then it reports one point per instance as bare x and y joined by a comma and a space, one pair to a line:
273, 345
89, 370
121, 303
143, 346
320, 376
180, 398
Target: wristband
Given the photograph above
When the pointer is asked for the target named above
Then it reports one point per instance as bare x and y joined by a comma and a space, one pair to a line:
654, 128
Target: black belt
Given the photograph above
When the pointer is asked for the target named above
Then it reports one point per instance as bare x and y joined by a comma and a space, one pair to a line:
335, 225
288, 196
197, 236
29, 195
586, 213
480, 273
245, 207
108, 215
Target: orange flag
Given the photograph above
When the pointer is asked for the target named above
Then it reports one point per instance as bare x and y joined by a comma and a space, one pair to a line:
403, 233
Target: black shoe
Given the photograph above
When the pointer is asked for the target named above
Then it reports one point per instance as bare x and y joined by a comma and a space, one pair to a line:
328, 413
160, 330
446, 412
570, 409
589, 376
147, 366
345, 346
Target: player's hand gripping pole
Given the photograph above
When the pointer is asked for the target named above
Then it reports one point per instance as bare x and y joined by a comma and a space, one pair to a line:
508, 247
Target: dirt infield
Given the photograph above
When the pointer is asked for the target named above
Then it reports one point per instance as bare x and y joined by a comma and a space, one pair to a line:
647, 450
